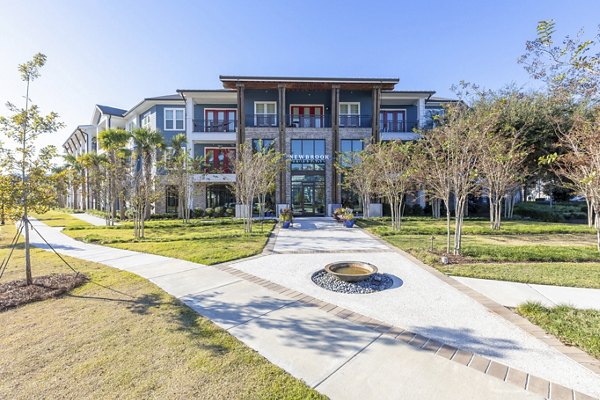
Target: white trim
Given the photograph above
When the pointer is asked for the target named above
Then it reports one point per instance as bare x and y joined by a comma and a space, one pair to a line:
348, 103
146, 124
174, 109
265, 103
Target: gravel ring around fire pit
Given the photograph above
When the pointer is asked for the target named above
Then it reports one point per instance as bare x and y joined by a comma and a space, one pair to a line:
375, 283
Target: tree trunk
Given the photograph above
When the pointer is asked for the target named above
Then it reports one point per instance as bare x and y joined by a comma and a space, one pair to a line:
459, 210
448, 217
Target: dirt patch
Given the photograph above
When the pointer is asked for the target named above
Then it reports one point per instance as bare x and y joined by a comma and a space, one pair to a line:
17, 293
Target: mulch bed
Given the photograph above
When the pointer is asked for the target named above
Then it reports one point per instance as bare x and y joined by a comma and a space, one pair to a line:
17, 293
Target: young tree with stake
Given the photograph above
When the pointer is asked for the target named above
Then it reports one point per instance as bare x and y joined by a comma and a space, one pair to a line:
24, 126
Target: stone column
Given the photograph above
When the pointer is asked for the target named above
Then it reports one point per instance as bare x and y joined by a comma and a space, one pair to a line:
375, 117
335, 141
281, 141
241, 108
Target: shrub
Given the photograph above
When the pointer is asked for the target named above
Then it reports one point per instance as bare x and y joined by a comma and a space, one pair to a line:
197, 213
559, 212
209, 212
163, 216
219, 211
230, 212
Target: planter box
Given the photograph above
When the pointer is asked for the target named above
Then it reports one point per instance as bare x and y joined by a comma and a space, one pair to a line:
349, 223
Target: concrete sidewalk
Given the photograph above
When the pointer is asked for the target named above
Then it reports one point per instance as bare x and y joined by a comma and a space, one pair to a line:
91, 219
511, 294
342, 358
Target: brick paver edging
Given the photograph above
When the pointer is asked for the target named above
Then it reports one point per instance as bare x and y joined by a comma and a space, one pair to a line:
524, 380
495, 369
572, 352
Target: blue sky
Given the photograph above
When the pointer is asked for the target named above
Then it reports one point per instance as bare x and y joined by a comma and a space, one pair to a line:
117, 52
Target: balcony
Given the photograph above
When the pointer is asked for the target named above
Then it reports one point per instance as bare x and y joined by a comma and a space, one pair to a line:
398, 126
355, 121
213, 125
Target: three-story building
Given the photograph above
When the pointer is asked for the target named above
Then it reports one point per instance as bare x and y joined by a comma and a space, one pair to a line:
310, 120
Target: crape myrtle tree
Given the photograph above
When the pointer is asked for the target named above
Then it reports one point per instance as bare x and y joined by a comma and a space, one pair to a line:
255, 174
502, 151
142, 179
269, 164
114, 142
358, 176
23, 127
579, 163
394, 172
180, 168
451, 153
433, 158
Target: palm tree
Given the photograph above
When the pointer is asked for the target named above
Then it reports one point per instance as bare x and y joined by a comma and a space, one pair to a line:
114, 141
76, 179
94, 165
146, 144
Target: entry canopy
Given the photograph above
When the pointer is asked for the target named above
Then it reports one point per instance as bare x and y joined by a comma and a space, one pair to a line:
272, 82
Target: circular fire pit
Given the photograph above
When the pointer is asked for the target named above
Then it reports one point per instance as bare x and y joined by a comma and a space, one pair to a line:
351, 271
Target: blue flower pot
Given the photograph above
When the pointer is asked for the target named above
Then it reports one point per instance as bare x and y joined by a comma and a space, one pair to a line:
349, 223
286, 224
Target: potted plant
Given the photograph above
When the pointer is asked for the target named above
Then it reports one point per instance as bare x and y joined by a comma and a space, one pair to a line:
337, 214
348, 218
285, 216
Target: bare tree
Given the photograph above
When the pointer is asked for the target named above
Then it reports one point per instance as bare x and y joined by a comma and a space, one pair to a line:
396, 170
358, 176
435, 172
255, 174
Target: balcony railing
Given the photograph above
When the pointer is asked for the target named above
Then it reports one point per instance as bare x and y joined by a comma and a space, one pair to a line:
398, 126
262, 120
308, 121
214, 125
355, 121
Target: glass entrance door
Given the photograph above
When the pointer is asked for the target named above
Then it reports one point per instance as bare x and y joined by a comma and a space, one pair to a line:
308, 198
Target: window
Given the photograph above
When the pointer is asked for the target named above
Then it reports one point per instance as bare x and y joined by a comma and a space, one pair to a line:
130, 126
265, 113
263, 145
220, 120
172, 199
393, 120
219, 196
349, 148
308, 154
350, 114
94, 144
432, 117
219, 160
146, 121
174, 119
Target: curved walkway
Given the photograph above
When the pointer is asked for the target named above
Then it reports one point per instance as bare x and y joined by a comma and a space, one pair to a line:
336, 342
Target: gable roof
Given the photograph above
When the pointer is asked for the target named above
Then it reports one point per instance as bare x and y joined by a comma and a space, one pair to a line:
107, 110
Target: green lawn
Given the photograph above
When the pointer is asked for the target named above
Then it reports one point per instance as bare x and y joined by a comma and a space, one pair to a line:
59, 218
96, 343
206, 242
574, 327
522, 251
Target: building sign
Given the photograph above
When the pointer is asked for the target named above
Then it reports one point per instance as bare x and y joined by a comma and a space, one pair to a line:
308, 158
